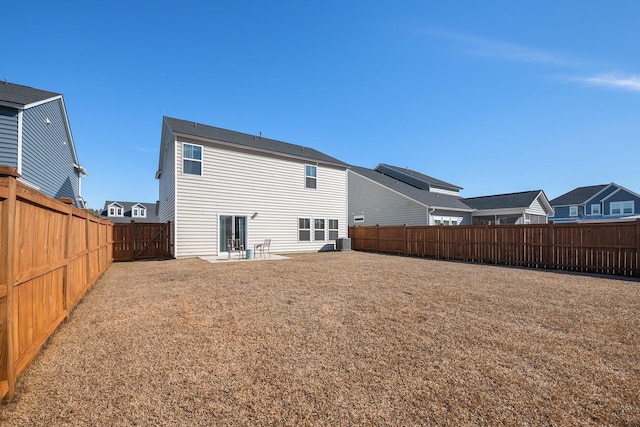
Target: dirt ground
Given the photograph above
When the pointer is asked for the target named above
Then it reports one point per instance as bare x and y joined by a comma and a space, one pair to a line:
339, 339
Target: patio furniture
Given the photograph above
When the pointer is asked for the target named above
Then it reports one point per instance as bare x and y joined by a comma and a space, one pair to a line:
262, 246
235, 245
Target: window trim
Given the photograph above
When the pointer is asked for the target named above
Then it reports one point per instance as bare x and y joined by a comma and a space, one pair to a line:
316, 229
593, 205
138, 211
304, 229
335, 230
572, 209
621, 207
314, 177
447, 220
190, 159
115, 210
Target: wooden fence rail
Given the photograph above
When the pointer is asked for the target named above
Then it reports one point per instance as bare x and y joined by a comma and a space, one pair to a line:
605, 248
50, 254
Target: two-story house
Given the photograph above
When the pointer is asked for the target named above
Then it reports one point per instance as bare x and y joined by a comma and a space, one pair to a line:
35, 138
391, 195
217, 184
605, 202
119, 211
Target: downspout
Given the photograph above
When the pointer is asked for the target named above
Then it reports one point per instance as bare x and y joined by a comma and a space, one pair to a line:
82, 172
19, 159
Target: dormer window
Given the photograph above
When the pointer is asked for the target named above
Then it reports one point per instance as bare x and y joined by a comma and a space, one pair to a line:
138, 211
116, 209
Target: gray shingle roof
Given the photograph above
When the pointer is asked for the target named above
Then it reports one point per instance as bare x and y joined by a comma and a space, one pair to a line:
23, 95
152, 214
578, 195
250, 141
522, 199
428, 198
417, 175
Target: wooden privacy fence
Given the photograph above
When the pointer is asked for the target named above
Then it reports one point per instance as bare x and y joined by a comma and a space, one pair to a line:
50, 254
141, 240
605, 248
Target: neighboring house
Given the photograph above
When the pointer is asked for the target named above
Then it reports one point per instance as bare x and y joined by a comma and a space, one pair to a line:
390, 195
118, 211
527, 207
376, 198
607, 202
35, 138
217, 184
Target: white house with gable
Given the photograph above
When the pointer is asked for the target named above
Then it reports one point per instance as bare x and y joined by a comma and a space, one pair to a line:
217, 184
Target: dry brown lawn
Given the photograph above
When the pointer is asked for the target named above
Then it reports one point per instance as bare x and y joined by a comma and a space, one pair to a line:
339, 339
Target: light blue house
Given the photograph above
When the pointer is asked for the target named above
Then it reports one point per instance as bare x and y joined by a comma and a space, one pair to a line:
607, 202
35, 138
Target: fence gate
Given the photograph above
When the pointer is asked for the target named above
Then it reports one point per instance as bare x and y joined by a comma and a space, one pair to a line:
141, 240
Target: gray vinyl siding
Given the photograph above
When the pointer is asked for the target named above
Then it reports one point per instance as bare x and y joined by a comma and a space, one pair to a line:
48, 160
536, 208
603, 194
9, 137
381, 205
622, 196
167, 187
269, 190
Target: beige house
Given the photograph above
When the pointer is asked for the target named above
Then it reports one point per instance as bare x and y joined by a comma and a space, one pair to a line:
216, 184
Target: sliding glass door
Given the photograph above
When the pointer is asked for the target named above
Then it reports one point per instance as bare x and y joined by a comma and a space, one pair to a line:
231, 227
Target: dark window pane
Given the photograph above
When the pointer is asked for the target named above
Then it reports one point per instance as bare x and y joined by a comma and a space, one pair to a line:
192, 167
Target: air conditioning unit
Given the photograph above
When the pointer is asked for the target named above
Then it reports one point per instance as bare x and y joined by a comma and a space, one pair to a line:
343, 244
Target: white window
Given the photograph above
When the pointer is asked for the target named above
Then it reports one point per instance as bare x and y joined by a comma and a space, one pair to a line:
595, 209
139, 211
318, 230
116, 210
304, 229
573, 211
333, 229
621, 208
446, 220
358, 218
191, 159
310, 176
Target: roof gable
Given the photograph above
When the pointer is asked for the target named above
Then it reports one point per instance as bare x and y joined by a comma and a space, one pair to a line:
620, 189
247, 141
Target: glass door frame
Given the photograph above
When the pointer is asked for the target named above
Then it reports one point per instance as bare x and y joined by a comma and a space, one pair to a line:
222, 244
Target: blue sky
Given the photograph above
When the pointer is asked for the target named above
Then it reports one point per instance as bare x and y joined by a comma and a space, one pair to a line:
496, 96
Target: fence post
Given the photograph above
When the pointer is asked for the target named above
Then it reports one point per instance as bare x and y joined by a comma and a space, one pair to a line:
550, 261
132, 230
637, 247
88, 249
406, 241
7, 251
67, 257
377, 238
